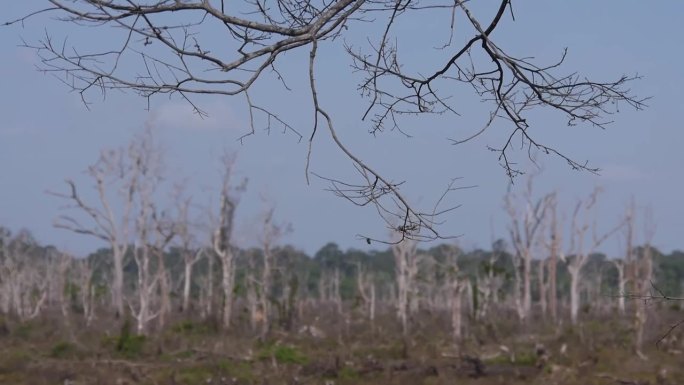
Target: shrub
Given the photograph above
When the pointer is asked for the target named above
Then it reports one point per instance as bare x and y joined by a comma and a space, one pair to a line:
127, 344
63, 349
283, 354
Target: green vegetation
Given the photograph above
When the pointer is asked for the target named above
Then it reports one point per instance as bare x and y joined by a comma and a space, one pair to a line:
126, 344
283, 354
63, 349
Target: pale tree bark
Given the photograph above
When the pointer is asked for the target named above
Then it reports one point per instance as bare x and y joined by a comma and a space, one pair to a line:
109, 218
190, 258
553, 247
405, 260
622, 284
579, 253
543, 281
5, 289
336, 295
643, 278
189, 250
64, 267
271, 234
146, 280
456, 287
253, 300
625, 267
83, 272
222, 241
366, 288
25, 278
489, 284
523, 230
207, 288
165, 231
153, 232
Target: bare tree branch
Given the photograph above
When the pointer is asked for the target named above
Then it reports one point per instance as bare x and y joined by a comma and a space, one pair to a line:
158, 53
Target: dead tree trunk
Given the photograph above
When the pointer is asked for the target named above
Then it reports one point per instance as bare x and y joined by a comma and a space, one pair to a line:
84, 277
622, 284
222, 243
543, 286
554, 249
523, 232
579, 255
643, 277
405, 263
190, 252
121, 170
366, 289
271, 234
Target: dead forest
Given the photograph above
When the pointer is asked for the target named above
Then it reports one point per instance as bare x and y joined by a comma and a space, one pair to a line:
169, 298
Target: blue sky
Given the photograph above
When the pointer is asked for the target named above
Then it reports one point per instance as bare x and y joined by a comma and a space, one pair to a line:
47, 135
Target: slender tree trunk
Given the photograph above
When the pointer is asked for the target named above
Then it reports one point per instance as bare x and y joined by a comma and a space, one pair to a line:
574, 292
227, 286
527, 284
554, 249
187, 284
164, 291
543, 287
371, 312
552, 290
222, 243
265, 293
210, 285
117, 282
457, 311
644, 272
622, 286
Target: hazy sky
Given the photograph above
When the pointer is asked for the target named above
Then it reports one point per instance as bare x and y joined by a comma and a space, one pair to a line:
47, 135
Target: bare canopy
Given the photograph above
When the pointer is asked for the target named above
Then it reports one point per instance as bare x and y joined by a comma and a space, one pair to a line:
170, 47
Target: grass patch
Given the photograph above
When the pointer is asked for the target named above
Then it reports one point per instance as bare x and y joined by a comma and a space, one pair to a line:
347, 373
194, 375
15, 361
283, 354
63, 349
24, 330
240, 371
521, 359
190, 328
127, 344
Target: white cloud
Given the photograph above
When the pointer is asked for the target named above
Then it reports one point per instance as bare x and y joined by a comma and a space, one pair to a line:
16, 131
621, 173
179, 115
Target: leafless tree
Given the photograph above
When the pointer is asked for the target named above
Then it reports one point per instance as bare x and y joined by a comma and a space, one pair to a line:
222, 238
169, 47
625, 267
187, 244
526, 221
272, 233
554, 249
24, 278
206, 298
153, 233
643, 282
83, 276
580, 250
456, 287
406, 269
109, 218
366, 287
63, 277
